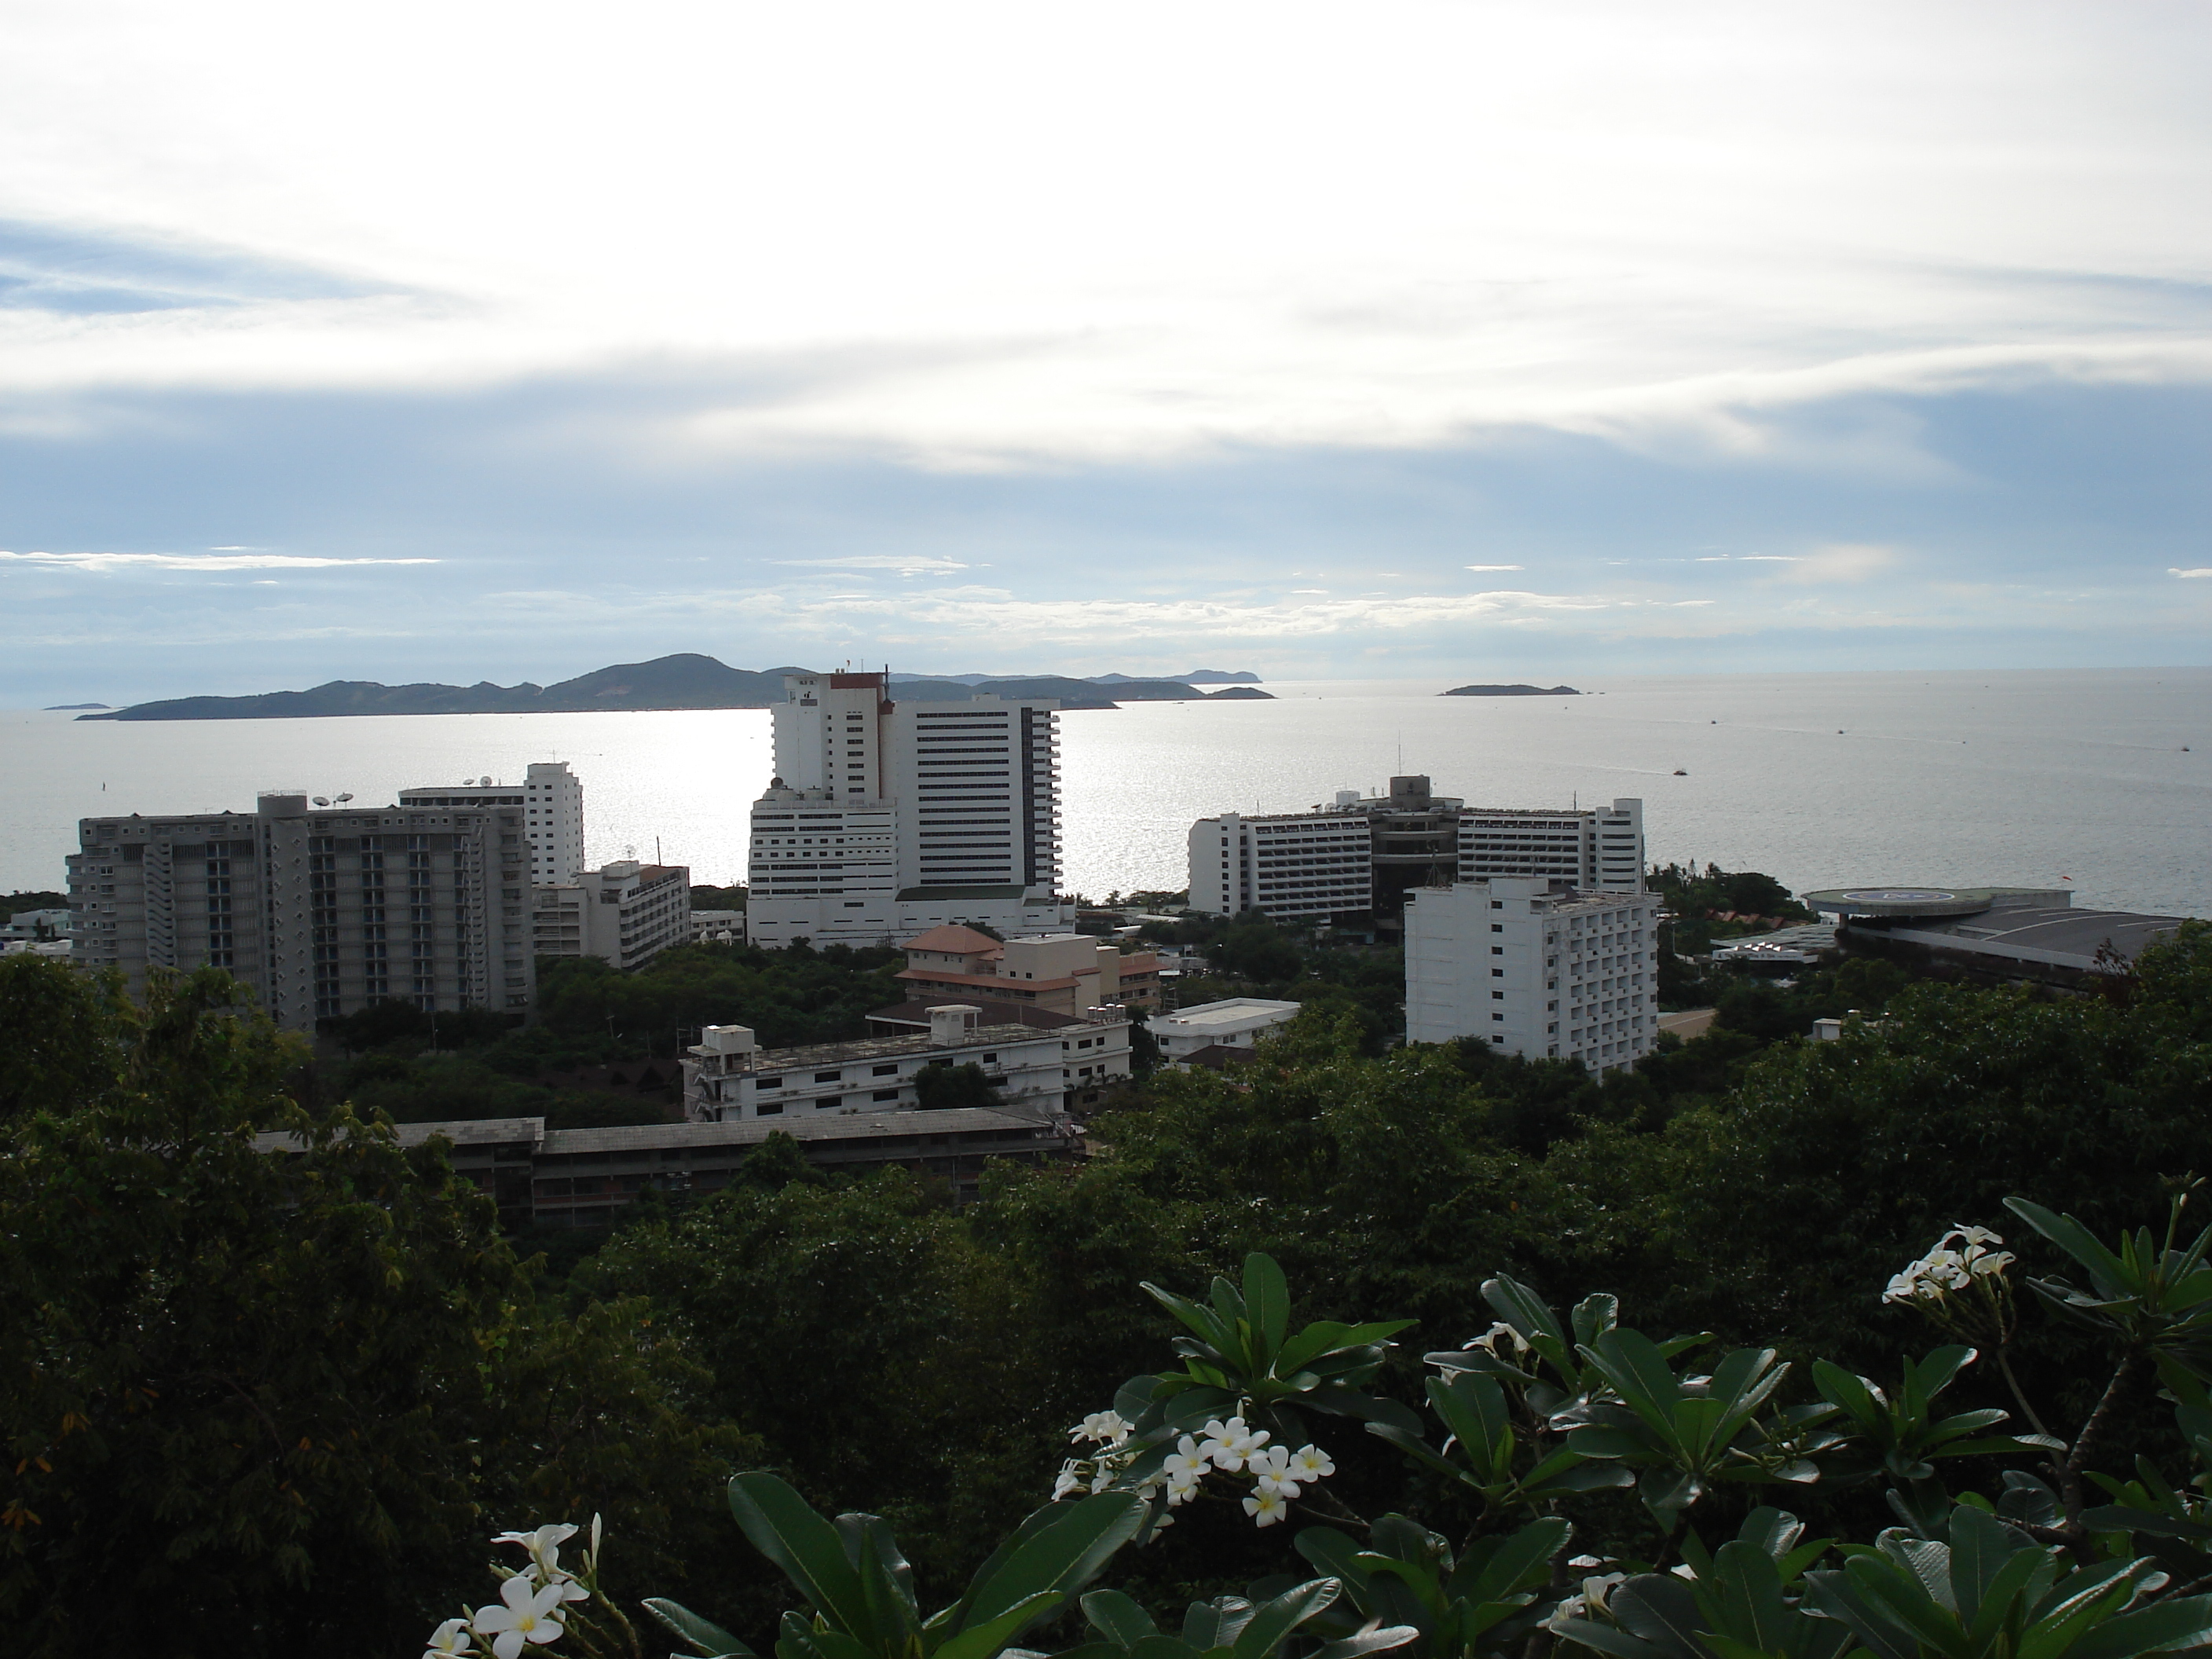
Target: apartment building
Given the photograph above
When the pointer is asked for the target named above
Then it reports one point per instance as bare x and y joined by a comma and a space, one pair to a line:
1364, 852
1205, 1030
1041, 1073
887, 819
320, 911
1594, 848
551, 802
1059, 973
1535, 968
627, 913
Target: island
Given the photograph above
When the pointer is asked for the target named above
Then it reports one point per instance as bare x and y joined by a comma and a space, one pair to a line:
71, 708
684, 680
1240, 694
1511, 691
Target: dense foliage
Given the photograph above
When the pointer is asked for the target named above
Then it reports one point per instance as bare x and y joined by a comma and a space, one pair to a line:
882, 1350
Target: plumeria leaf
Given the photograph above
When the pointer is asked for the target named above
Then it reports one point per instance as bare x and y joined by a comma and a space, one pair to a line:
1267, 1304
712, 1641
1063, 1553
805, 1547
1272, 1622
984, 1639
1118, 1617
1379, 1640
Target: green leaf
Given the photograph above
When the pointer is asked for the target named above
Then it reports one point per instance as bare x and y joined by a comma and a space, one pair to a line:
1201, 1321
806, 1547
1064, 1553
983, 1640
1379, 1640
1271, 1623
2078, 1241
2162, 1627
1981, 1547
704, 1634
1334, 1553
1664, 1611
1519, 1562
1267, 1299
1603, 1639
1118, 1617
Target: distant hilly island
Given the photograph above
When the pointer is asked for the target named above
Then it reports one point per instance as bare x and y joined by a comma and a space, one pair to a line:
686, 680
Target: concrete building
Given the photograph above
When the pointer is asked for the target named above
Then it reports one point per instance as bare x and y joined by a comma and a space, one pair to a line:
587, 1177
885, 818
2016, 934
36, 927
626, 913
1592, 848
1060, 973
729, 1077
552, 803
1535, 968
718, 927
1364, 852
1188, 1035
322, 912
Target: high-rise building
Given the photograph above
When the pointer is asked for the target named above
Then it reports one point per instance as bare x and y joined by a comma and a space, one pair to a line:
626, 913
887, 819
322, 912
552, 802
1535, 968
1364, 852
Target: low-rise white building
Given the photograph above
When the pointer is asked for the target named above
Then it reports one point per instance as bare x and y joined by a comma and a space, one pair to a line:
1535, 968
36, 927
729, 1077
718, 927
626, 913
1233, 1023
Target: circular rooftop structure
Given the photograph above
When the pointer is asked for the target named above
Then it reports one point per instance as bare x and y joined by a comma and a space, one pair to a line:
1931, 902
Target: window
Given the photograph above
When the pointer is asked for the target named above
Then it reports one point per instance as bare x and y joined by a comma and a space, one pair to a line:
885, 1094
885, 1071
828, 1102
767, 1083
827, 1076
1496, 927
767, 1109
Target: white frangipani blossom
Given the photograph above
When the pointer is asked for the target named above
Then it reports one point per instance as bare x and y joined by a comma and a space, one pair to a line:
1310, 1464
1101, 1426
1265, 1508
1230, 1444
525, 1614
449, 1640
1960, 1257
1500, 1333
1271, 1468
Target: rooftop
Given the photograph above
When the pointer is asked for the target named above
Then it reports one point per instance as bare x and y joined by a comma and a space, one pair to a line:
953, 940
882, 1048
844, 1126
916, 1012
1231, 1011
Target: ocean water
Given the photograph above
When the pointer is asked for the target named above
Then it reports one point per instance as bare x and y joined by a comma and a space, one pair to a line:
2098, 779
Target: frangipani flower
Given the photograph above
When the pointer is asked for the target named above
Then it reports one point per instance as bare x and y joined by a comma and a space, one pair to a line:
449, 1640
1264, 1507
1230, 1444
544, 1547
1311, 1463
525, 1615
1500, 1332
1272, 1469
1101, 1426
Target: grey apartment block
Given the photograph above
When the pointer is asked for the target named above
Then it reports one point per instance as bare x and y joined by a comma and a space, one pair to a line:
322, 912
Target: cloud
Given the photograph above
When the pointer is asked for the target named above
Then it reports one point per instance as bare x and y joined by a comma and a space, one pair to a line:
1843, 562
2187, 575
190, 561
915, 565
1747, 558
1494, 567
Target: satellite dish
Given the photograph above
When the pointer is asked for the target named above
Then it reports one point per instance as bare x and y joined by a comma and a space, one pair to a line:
322, 800
343, 799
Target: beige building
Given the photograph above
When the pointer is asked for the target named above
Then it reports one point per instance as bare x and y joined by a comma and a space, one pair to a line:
322, 912
551, 803
626, 913
1059, 973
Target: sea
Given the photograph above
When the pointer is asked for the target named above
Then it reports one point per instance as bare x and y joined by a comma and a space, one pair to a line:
2094, 780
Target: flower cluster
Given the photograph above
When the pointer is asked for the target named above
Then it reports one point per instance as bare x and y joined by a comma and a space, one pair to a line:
533, 1604
1228, 1447
1491, 1341
1960, 1257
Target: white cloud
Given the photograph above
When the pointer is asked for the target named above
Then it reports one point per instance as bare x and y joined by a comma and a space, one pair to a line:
191, 561
2187, 575
1747, 558
923, 566
1496, 567
1843, 562
1609, 217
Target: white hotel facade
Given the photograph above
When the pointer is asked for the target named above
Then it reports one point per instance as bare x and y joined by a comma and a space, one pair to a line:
1312, 866
1535, 968
885, 819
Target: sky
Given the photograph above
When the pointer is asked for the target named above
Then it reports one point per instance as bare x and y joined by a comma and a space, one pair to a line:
489, 341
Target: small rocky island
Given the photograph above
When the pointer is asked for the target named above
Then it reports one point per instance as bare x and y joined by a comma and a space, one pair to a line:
1240, 694
1511, 691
